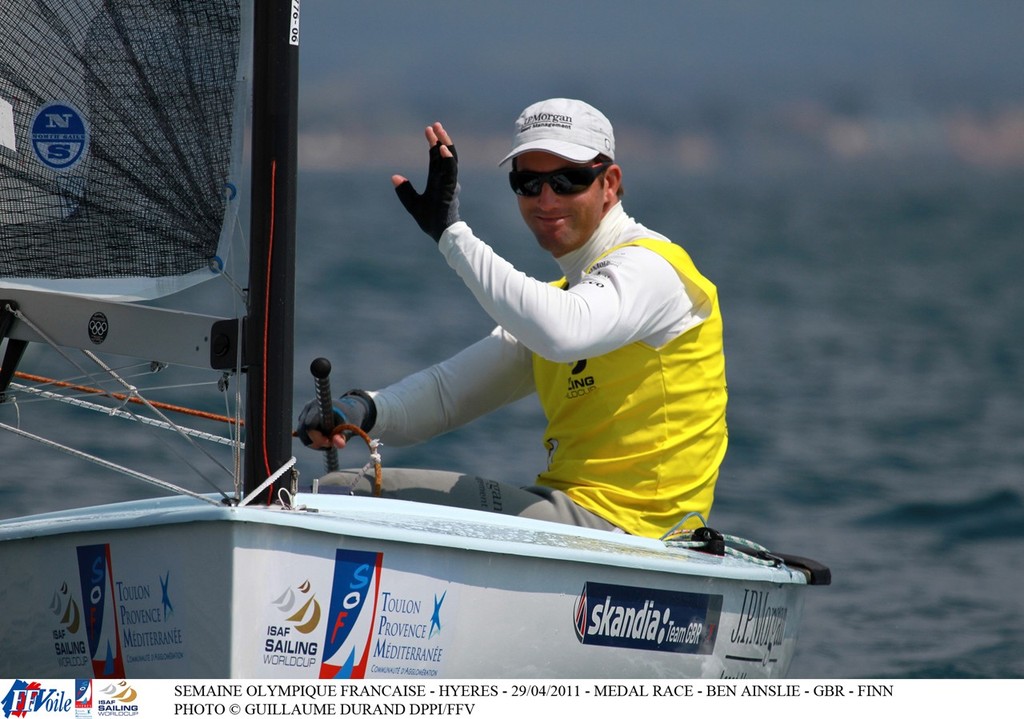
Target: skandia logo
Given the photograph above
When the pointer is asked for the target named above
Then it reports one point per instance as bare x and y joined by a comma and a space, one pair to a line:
638, 618
25, 698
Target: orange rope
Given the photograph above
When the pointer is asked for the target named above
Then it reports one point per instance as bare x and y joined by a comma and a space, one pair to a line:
126, 398
378, 476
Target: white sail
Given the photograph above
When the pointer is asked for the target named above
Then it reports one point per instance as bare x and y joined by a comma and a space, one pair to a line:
121, 130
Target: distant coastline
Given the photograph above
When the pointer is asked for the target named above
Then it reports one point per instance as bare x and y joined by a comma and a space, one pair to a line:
799, 135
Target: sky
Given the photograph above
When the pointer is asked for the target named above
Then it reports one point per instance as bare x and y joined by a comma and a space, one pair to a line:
380, 69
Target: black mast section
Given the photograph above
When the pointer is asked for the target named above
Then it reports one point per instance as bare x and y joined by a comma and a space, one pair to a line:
270, 322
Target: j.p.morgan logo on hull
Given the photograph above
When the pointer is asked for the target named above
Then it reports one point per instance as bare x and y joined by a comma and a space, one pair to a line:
659, 620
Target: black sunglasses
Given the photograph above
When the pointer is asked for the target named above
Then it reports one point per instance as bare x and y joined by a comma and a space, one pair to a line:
567, 181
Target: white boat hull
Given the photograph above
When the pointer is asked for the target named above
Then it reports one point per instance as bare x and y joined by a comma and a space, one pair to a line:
376, 589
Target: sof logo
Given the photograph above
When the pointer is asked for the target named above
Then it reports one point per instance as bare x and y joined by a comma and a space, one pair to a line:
350, 616
25, 698
118, 700
59, 136
97, 580
83, 694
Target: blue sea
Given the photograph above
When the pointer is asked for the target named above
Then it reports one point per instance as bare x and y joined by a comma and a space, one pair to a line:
874, 319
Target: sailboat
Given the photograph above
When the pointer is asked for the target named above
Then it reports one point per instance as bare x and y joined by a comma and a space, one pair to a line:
121, 186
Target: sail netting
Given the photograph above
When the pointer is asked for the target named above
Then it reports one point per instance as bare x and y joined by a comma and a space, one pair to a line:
120, 142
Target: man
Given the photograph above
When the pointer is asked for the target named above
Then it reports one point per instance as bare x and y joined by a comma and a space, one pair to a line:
625, 352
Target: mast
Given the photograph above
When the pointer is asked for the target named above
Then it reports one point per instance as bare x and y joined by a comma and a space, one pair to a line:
270, 322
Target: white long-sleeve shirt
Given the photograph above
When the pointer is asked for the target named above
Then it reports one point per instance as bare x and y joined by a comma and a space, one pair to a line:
631, 295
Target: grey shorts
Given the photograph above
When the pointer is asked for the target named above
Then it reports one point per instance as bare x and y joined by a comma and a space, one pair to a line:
453, 489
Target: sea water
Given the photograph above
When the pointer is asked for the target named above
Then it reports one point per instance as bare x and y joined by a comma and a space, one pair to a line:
873, 321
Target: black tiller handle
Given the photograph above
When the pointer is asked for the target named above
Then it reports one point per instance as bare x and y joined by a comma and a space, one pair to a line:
321, 370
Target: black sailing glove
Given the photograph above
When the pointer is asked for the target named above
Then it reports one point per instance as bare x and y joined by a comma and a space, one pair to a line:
355, 407
438, 206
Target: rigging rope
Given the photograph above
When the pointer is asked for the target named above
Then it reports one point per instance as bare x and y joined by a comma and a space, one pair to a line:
374, 447
126, 398
131, 396
122, 414
107, 464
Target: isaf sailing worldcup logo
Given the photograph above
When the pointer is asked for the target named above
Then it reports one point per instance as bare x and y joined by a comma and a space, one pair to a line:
298, 650
118, 700
69, 646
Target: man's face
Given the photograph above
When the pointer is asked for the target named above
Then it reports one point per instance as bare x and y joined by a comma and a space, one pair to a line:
563, 223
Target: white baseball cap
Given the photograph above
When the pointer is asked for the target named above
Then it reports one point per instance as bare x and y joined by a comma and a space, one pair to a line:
571, 129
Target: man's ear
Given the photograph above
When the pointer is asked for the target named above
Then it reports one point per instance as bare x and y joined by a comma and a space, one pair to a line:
612, 182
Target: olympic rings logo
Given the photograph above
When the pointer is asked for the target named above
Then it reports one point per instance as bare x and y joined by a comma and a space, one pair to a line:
98, 327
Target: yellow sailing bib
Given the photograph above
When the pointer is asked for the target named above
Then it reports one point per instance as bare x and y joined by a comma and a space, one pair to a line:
637, 435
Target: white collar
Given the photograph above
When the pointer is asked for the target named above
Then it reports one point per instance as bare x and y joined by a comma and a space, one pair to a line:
607, 235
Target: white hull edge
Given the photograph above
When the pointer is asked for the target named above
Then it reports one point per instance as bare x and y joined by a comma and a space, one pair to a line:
376, 589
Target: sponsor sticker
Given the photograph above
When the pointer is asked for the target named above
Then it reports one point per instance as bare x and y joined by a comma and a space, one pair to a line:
612, 615
99, 326
69, 644
409, 638
59, 136
350, 617
293, 640
293, 29
102, 632
117, 699
83, 698
762, 621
